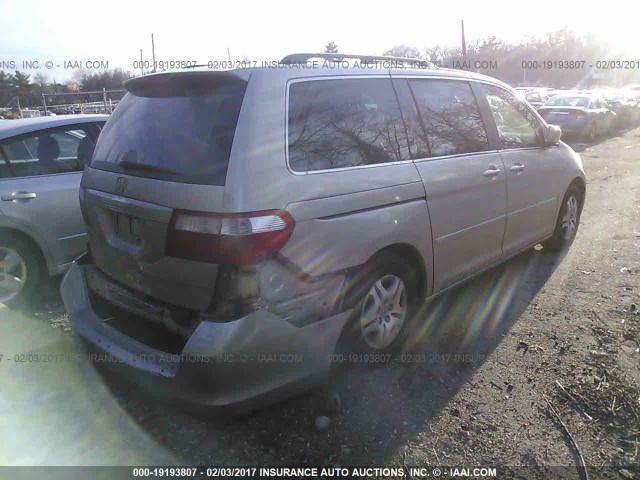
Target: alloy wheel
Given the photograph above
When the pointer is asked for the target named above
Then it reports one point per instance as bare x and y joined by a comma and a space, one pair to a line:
13, 274
570, 218
384, 312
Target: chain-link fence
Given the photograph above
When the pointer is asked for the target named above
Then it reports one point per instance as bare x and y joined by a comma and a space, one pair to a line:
104, 101
87, 102
12, 113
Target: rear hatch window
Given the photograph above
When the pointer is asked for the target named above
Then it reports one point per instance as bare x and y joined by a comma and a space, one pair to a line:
177, 127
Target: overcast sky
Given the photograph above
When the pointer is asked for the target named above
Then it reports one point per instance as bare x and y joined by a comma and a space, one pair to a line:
116, 30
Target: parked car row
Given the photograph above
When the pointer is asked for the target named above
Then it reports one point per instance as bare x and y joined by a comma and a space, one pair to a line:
580, 115
585, 114
281, 212
625, 104
536, 96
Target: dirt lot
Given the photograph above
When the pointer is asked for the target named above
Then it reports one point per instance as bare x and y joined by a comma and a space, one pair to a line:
535, 364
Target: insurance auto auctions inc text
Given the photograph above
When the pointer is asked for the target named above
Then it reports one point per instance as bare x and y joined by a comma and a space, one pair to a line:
368, 472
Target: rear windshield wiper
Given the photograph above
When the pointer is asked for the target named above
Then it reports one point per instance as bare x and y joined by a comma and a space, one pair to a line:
128, 165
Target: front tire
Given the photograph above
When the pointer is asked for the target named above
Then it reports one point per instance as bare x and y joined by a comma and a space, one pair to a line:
568, 220
20, 271
387, 303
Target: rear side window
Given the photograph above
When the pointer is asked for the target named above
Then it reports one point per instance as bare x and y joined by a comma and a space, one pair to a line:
344, 123
443, 118
176, 128
46, 152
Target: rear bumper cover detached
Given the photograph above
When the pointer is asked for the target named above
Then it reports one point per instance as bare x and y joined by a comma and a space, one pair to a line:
250, 361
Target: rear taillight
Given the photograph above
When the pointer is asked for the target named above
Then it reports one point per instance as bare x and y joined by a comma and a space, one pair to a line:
225, 238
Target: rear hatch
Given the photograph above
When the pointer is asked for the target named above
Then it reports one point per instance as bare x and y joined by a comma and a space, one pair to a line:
163, 153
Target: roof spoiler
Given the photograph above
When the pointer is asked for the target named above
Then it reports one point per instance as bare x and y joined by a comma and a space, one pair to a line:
183, 82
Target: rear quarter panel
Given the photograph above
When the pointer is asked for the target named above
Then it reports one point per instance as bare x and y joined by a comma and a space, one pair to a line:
343, 217
8, 225
338, 232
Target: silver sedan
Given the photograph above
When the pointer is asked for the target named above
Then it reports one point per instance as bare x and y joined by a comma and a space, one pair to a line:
41, 226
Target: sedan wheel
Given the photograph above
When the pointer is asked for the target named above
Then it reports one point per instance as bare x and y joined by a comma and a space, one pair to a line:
21, 268
570, 218
13, 274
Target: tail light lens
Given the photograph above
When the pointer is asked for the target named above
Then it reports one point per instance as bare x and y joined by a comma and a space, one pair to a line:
228, 239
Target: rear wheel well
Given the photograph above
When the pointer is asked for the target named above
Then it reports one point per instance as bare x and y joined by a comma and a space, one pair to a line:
413, 258
353, 282
10, 232
397, 260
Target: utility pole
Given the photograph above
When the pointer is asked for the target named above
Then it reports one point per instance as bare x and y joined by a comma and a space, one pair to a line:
153, 53
464, 43
229, 54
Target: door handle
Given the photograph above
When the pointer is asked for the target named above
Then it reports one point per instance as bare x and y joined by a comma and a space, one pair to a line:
492, 172
518, 167
19, 196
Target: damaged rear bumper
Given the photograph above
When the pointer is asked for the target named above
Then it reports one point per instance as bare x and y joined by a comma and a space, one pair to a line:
251, 361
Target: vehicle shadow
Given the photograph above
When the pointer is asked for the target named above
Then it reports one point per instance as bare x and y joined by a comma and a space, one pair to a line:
580, 145
388, 405
458, 333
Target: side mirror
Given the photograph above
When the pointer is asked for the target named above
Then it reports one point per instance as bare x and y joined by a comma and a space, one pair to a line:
552, 135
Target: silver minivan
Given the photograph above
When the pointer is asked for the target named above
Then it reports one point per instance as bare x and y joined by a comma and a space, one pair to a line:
243, 223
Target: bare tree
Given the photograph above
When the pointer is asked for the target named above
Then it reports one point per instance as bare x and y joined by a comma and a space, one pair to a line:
331, 47
41, 79
403, 51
